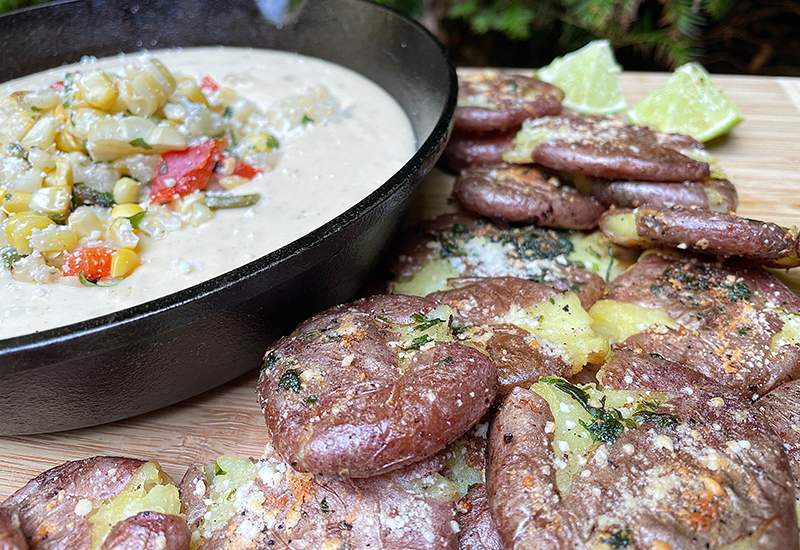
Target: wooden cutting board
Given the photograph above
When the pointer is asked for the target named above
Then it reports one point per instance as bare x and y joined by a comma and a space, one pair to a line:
761, 157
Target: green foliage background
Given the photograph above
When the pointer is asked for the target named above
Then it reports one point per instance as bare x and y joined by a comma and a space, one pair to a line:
669, 31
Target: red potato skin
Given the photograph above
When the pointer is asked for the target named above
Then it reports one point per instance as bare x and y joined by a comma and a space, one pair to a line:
523, 194
11, 537
510, 100
465, 149
149, 531
46, 505
368, 416
632, 194
726, 328
781, 408
723, 235
608, 148
363, 514
622, 490
479, 304
477, 529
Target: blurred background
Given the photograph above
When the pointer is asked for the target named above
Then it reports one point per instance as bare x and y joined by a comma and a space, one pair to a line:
726, 36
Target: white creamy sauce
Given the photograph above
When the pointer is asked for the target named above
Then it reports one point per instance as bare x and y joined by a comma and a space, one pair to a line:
319, 176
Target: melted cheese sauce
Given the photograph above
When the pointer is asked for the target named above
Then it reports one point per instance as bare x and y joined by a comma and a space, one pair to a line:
318, 177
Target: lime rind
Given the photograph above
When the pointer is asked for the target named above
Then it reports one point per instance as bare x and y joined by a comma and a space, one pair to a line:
689, 102
589, 77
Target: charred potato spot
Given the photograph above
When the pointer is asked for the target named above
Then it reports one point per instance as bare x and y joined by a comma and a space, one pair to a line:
585, 418
618, 321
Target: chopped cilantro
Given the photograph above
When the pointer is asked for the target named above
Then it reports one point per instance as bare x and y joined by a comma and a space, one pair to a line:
447, 360
418, 342
290, 380
228, 112
661, 420
272, 142
424, 323
15, 149
619, 539
743, 330
311, 400
307, 120
218, 471
141, 143
136, 219
323, 506
739, 291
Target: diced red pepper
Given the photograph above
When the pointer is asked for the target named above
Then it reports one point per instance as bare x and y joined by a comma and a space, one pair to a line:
94, 262
208, 85
57, 86
245, 170
182, 172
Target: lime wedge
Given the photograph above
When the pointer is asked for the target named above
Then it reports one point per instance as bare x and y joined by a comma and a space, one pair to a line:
589, 78
688, 103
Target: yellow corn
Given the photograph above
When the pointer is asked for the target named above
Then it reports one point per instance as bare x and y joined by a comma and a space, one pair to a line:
125, 210
19, 227
54, 239
16, 201
200, 214
191, 91
41, 160
231, 182
68, 142
85, 221
123, 262
42, 134
52, 201
98, 90
126, 190
62, 177
227, 166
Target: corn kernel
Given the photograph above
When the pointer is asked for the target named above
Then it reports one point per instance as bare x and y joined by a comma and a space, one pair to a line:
122, 232
227, 166
68, 142
19, 227
191, 91
125, 210
98, 90
52, 201
126, 190
123, 262
42, 134
200, 214
85, 221
16, 201
231, 182
41, 160
62, 177
54, 238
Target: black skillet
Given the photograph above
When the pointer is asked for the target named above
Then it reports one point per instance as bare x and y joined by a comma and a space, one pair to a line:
163, 351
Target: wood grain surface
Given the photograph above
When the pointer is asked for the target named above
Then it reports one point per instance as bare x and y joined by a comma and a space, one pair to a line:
761, 157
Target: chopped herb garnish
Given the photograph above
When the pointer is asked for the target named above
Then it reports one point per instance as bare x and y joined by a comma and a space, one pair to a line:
218, 471
272, 142
15, 149
753, 388
228, 112
619, 539
311, 400
84, 281
142, 144
290, 380
656, 355
610, 262
35, 109
743, 330
9, 255
424, 323
307, 120
382, 318
136, 219
418, 342
310, 335
270, 360
661, 420
323, 506
447, 360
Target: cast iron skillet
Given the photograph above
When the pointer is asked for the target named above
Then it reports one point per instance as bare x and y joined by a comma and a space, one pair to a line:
161, 352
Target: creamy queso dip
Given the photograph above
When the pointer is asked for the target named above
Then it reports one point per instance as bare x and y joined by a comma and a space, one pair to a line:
318, 177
